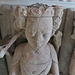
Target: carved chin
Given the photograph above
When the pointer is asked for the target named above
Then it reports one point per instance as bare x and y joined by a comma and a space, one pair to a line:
37, 46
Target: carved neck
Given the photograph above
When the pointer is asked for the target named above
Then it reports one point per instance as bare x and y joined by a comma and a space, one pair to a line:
35, 49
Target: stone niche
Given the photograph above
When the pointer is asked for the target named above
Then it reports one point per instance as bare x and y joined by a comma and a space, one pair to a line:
63, 40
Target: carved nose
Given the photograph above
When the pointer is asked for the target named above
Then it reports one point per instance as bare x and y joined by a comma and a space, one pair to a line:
39, 38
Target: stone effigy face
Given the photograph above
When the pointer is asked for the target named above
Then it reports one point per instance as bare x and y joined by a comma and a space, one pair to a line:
36, 57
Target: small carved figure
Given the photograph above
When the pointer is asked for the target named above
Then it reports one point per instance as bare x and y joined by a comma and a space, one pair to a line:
20, 14
37, 56
57, 41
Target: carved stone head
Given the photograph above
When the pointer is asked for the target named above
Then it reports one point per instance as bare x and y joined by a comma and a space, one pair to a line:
41, 23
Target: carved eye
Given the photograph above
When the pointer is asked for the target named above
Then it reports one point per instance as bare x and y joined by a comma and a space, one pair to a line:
33, 34
46, 35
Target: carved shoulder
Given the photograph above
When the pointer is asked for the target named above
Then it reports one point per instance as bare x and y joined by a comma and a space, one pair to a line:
53, 53
18, 53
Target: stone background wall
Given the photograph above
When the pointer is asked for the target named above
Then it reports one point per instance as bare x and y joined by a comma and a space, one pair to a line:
68, 43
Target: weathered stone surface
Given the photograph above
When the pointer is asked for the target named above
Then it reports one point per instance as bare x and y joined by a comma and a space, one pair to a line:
3, 67
7, 21
67, 45
73, 22
72, 64
73, 35
74, 14
63, 21
9, 61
